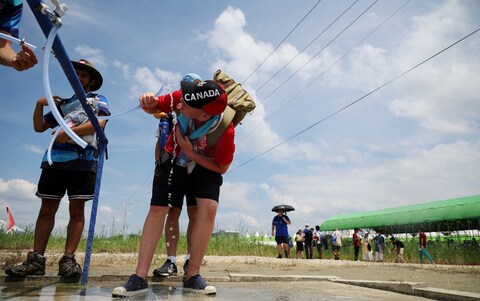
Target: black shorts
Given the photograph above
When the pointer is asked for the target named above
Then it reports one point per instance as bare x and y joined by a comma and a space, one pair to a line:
281, 240
53, 183
170, 186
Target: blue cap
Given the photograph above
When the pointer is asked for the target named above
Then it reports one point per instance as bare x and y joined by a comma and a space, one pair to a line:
191, 77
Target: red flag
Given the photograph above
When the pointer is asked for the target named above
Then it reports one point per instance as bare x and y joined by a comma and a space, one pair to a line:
10, 220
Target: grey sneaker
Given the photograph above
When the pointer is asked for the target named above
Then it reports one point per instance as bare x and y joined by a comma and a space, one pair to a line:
68, 267
134, 286
167, 269
196, 284
35, 265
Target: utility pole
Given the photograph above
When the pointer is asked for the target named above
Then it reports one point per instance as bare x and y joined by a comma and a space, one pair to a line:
125, 218
113, 227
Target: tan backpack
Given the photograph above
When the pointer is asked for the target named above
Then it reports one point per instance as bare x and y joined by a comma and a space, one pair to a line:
239, 104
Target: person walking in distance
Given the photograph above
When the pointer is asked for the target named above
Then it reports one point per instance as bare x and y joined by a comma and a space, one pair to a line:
280, 232
398, 248
423, 246
356, 244
336, 243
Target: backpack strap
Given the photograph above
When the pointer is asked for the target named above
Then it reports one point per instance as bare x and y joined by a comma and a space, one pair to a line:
227, 119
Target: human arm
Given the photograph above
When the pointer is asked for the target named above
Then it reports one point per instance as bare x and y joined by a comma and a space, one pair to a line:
23, 60
148, 101
152, 104
39, 123
81, 130
273, 230
207, 162
286, 219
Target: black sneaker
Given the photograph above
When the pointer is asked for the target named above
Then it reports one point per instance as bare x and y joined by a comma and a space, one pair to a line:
35, 265
279, 256
134, 286
167, 269
68, 267
196, 284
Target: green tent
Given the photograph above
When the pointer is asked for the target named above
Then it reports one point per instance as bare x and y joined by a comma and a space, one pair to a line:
441, 216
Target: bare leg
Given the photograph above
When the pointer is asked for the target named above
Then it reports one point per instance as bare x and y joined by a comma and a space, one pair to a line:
201, 233
172, 231
44, 225
192, 218
75, 225
152, 231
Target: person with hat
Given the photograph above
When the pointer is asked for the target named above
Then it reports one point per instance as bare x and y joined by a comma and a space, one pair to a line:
73, 172
10, 16
189, 166
172, 230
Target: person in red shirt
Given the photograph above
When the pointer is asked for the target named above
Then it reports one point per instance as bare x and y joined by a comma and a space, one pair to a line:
423, 246
356, 244
188, 167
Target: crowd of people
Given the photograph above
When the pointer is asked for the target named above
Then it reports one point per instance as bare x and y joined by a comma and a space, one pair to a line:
310, 242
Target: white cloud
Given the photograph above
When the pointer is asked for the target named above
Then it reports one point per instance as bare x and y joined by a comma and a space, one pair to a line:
95, 56
33, 149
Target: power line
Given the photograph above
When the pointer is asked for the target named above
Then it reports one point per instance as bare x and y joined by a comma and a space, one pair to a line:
316, 54
311, 42
284, 39
357, 100
310, 84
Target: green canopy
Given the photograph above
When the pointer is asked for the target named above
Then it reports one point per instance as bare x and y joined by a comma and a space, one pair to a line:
447, 215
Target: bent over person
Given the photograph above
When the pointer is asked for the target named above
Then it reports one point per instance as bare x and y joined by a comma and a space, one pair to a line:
189, 166
73, 172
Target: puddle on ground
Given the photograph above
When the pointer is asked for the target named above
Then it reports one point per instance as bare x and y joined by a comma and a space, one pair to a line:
228, 291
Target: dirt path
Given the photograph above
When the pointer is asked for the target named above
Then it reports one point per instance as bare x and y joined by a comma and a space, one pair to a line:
462, 278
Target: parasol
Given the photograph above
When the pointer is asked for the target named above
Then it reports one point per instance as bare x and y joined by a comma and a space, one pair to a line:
285, 208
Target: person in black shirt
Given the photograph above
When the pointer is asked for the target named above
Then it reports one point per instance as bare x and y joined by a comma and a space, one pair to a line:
398, 248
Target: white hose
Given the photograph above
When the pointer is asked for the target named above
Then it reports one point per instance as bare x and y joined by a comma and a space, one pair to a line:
48, 92
49, 151
15, 40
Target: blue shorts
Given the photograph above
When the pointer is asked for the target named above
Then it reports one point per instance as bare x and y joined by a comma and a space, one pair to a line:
54, 183
171, 185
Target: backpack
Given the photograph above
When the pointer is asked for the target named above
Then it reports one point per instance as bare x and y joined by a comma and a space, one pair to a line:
239, 104
308, 235
334, 238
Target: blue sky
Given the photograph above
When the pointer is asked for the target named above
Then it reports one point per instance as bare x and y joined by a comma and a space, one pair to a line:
414, 140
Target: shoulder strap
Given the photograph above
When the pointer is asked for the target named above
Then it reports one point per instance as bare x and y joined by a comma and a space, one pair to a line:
227, 119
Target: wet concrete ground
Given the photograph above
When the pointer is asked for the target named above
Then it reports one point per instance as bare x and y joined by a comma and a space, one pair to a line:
238, 291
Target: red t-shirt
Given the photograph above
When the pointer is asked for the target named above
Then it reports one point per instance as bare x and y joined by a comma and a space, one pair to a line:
222, 151
423, 240
356, 240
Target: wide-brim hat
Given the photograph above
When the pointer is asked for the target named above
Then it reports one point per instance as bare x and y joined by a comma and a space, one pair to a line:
207, 95
87, 66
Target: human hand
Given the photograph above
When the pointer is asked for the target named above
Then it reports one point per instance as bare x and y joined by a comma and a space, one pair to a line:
148, 100
25, 59
62, 137
183, 142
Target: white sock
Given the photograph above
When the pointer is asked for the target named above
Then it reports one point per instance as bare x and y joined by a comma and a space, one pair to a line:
173, 259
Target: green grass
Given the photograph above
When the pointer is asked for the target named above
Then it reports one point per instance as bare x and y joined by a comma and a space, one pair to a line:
442, 251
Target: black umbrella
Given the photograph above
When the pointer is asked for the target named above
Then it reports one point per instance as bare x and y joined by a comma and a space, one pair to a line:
285, 208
